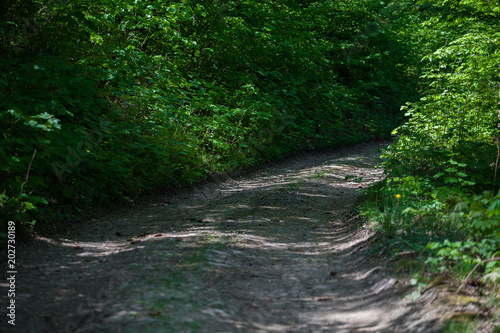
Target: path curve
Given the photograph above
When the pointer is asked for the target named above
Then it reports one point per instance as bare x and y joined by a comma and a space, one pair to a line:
280, 249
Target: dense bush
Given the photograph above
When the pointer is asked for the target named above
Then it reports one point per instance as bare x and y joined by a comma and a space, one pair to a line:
442, 188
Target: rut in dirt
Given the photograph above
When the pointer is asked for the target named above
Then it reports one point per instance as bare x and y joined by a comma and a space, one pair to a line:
279, 250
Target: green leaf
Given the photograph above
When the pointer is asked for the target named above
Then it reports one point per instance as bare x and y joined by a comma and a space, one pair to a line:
492, 277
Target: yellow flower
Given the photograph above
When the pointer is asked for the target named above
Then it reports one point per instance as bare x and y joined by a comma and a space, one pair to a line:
398, 196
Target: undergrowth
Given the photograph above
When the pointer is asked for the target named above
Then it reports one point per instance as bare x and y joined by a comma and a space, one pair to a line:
441, 200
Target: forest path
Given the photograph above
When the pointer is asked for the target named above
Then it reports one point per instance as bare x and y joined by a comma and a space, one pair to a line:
280, 249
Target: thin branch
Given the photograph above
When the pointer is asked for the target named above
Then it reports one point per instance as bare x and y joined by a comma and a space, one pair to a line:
475, 267
28, 172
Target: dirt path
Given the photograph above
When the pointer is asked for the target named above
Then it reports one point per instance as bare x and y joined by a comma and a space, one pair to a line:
278, 250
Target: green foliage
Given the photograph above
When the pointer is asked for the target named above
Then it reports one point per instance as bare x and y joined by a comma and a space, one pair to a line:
411, 209
102, 101
479, 215
444, 161
456, 118
462, 256
463, 326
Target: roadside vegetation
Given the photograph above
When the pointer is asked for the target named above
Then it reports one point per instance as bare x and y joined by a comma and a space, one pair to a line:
441, 199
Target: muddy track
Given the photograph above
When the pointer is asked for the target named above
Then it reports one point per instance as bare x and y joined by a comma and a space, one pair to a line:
278, 250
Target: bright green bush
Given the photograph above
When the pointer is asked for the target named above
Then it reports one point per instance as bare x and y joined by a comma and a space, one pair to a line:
444, 161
